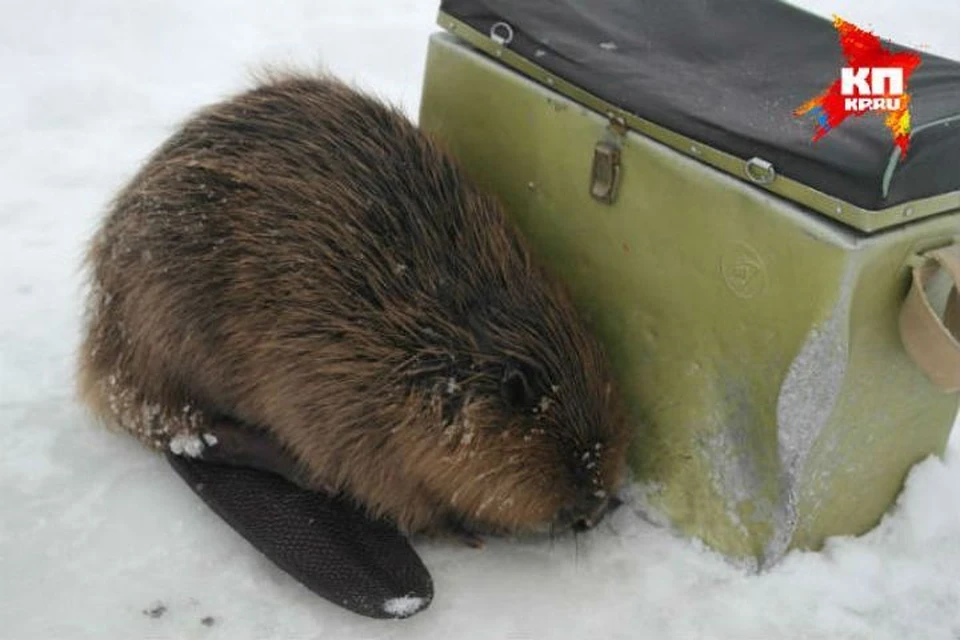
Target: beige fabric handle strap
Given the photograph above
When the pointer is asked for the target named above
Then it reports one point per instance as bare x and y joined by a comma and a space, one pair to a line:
932, 342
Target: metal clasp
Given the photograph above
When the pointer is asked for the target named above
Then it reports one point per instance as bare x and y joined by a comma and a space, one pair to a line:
760, 170
605, 174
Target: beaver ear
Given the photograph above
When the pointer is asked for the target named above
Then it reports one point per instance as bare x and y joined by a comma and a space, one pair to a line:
515, 388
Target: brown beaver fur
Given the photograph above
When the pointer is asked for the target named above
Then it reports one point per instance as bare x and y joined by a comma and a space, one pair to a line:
302, 258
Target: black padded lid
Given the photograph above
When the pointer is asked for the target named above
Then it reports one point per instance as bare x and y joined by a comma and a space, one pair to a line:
730, 75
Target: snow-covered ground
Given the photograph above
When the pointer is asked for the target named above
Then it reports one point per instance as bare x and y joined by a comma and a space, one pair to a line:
95, 533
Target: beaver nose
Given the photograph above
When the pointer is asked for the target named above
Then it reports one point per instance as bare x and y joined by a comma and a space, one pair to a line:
589, 510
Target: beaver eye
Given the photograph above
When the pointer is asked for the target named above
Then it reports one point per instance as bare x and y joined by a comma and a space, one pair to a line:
516, 390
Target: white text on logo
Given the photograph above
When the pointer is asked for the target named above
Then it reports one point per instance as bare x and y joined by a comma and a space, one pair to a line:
871, 88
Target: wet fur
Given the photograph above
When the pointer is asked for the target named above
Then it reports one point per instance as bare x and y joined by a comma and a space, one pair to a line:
303, 259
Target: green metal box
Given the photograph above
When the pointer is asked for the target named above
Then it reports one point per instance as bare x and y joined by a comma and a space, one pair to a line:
756, 340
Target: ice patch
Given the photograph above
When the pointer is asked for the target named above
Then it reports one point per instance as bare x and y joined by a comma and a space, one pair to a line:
807, 397
809, 392
403, 607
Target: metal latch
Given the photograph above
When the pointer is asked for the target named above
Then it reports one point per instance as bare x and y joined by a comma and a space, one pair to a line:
605, 174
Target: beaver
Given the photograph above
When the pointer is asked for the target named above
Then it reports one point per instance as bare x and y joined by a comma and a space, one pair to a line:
302, 259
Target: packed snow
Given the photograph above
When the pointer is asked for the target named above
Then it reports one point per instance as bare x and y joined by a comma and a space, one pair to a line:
402, 607
188, 444
99, 539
